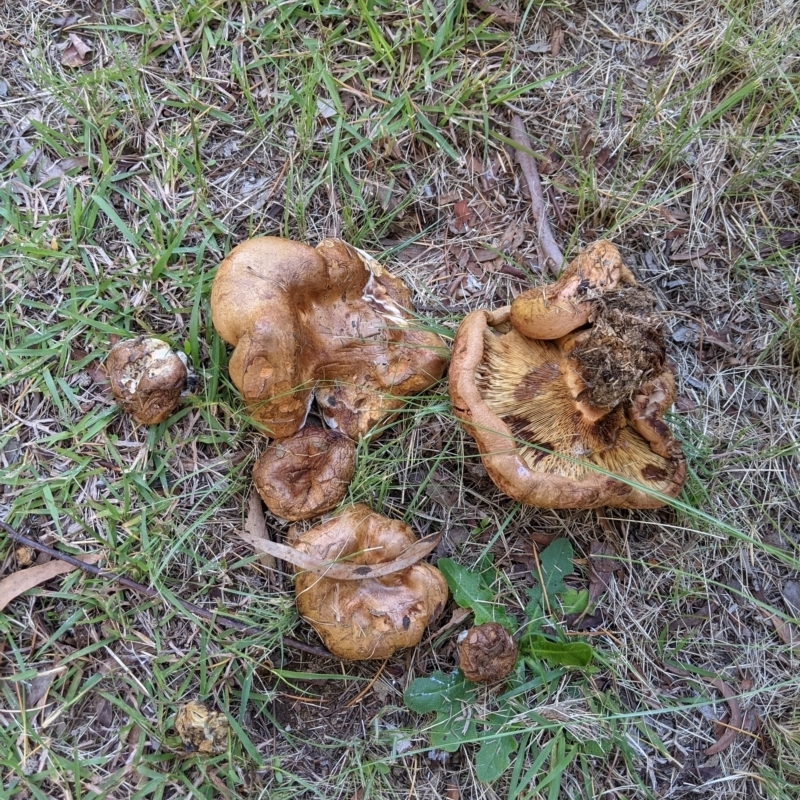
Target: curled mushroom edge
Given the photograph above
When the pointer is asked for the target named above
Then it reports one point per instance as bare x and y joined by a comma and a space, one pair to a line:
574, 418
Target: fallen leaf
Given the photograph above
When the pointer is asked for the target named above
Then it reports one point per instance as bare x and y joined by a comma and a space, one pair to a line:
734, 725
129, 14
512, 238
690, 255
40, 685
19, 582
256, 525
503, 17
340, 570
556, 40
74, 54
602, 565
460, 215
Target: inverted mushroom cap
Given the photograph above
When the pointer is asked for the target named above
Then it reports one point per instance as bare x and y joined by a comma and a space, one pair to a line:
374, 617
147, 378
327, 321
305, 475
560, 422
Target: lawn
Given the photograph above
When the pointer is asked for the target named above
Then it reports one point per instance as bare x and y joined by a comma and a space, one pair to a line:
140, 140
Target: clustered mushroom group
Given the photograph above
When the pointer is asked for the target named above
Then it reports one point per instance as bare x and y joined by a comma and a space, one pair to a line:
564, 393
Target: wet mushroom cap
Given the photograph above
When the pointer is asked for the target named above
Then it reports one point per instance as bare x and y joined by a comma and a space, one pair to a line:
553, 430
305, 475
374, 617
326, 321
147, 378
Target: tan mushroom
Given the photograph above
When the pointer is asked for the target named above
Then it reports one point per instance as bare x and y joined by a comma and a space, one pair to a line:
572, 420
326, 321
147, 378
305, 475
373, 617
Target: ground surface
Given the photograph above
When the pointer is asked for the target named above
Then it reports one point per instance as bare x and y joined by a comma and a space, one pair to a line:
140, 141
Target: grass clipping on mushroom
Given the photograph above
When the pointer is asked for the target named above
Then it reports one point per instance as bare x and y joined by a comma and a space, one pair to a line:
564, 392
361, 582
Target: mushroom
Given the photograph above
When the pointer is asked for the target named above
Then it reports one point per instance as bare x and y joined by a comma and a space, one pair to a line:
147, 378
486, 653
328, 322
564, 392
305, 475
375, 616
201, 730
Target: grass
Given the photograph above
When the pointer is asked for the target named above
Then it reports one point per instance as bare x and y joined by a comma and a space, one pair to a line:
672, 129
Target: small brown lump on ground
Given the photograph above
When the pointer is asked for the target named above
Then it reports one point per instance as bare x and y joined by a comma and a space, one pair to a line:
305, 475
201, 731
373, 617
147, 378
487, 653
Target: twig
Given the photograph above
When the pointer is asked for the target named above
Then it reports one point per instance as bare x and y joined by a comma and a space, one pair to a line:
550, 256
225, 622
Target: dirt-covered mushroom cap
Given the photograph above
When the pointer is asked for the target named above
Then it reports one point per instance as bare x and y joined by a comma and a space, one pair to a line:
307, 474
374, 617
573, 422
326, 321
552, 311
487, 653
147, 378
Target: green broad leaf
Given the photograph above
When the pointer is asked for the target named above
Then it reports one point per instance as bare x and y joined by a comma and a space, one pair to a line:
470, 589
494, 758
566, 654
555, 562
450, 731
574, 601
438, 692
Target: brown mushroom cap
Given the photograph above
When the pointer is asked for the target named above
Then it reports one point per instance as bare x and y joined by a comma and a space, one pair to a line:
374, 617
147, 378
487, 653
546, 432
325, 321
305, 475
550, 312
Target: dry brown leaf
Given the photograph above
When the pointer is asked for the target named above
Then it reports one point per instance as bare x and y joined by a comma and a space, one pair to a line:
734, 725
74, 54
19, 582
602, 565
512, 238
340, 570
460, 215
40, 685
556, 40
256, 525
501, 16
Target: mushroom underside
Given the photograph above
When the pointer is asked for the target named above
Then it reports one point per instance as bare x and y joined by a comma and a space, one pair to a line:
524, 385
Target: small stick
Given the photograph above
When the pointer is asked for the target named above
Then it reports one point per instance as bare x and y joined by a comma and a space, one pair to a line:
225, 622
550, 255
